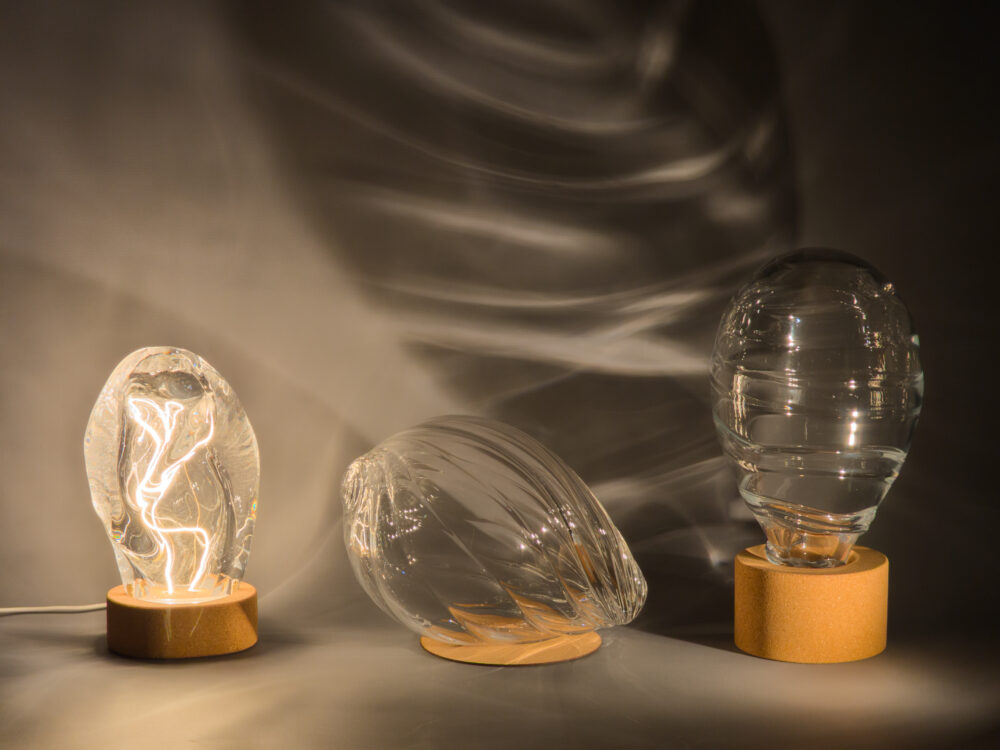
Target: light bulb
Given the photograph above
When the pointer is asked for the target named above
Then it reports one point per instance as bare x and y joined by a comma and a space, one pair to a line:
173, 467
817, 386
471, 533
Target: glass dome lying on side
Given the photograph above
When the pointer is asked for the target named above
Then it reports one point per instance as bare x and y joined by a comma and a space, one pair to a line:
817, 386
469, 531
174, 471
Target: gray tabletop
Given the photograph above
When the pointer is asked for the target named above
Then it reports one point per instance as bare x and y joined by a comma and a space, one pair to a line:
350, 685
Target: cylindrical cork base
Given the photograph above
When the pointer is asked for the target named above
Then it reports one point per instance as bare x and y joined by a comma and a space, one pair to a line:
811, 615
153, 630
551, 651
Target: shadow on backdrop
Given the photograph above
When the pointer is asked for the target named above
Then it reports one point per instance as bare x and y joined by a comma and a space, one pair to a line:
554, 202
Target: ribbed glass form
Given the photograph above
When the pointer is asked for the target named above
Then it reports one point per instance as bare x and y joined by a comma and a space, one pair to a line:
470, 531
817, 386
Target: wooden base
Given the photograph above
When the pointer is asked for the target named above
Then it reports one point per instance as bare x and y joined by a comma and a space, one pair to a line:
811, 615
563, 648
153, 630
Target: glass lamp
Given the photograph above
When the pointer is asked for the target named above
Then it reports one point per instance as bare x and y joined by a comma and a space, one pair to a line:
481, 540
174, 471
817, 386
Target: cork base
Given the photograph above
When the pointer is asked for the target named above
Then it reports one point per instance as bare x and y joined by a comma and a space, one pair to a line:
811, 615
563, 648
153, 630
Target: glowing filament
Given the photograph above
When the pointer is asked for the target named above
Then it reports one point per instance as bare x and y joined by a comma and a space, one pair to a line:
153, 485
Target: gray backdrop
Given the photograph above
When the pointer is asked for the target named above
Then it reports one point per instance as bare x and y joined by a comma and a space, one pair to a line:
368, 214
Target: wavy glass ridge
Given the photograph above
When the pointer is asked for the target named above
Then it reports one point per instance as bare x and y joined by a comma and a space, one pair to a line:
817, 387
469, 531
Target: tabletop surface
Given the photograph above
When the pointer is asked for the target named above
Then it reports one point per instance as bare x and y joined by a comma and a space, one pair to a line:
359, 686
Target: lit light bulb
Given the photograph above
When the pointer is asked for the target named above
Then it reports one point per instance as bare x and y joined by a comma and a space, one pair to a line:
475, 536
174, 471
817, 386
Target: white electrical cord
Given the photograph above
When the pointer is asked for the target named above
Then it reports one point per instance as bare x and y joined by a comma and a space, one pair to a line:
57, 610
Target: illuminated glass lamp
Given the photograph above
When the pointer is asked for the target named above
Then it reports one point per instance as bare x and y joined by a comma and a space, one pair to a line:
486, 544
817, 387
174, 471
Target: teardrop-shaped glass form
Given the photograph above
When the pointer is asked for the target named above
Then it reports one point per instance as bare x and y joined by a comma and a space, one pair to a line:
817, 386
469, 531
174, 471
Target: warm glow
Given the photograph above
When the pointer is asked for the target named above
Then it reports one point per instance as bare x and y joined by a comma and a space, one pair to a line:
157, 479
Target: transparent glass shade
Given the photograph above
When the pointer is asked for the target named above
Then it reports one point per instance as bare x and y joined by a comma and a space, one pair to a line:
817, 386
174, 471
469, 531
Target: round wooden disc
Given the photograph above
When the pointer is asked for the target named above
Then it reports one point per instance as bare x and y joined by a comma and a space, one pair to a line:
562, 648
811, 615
153, 630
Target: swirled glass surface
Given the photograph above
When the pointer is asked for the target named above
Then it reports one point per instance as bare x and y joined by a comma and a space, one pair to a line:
174, 473
469, 531
817, 386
